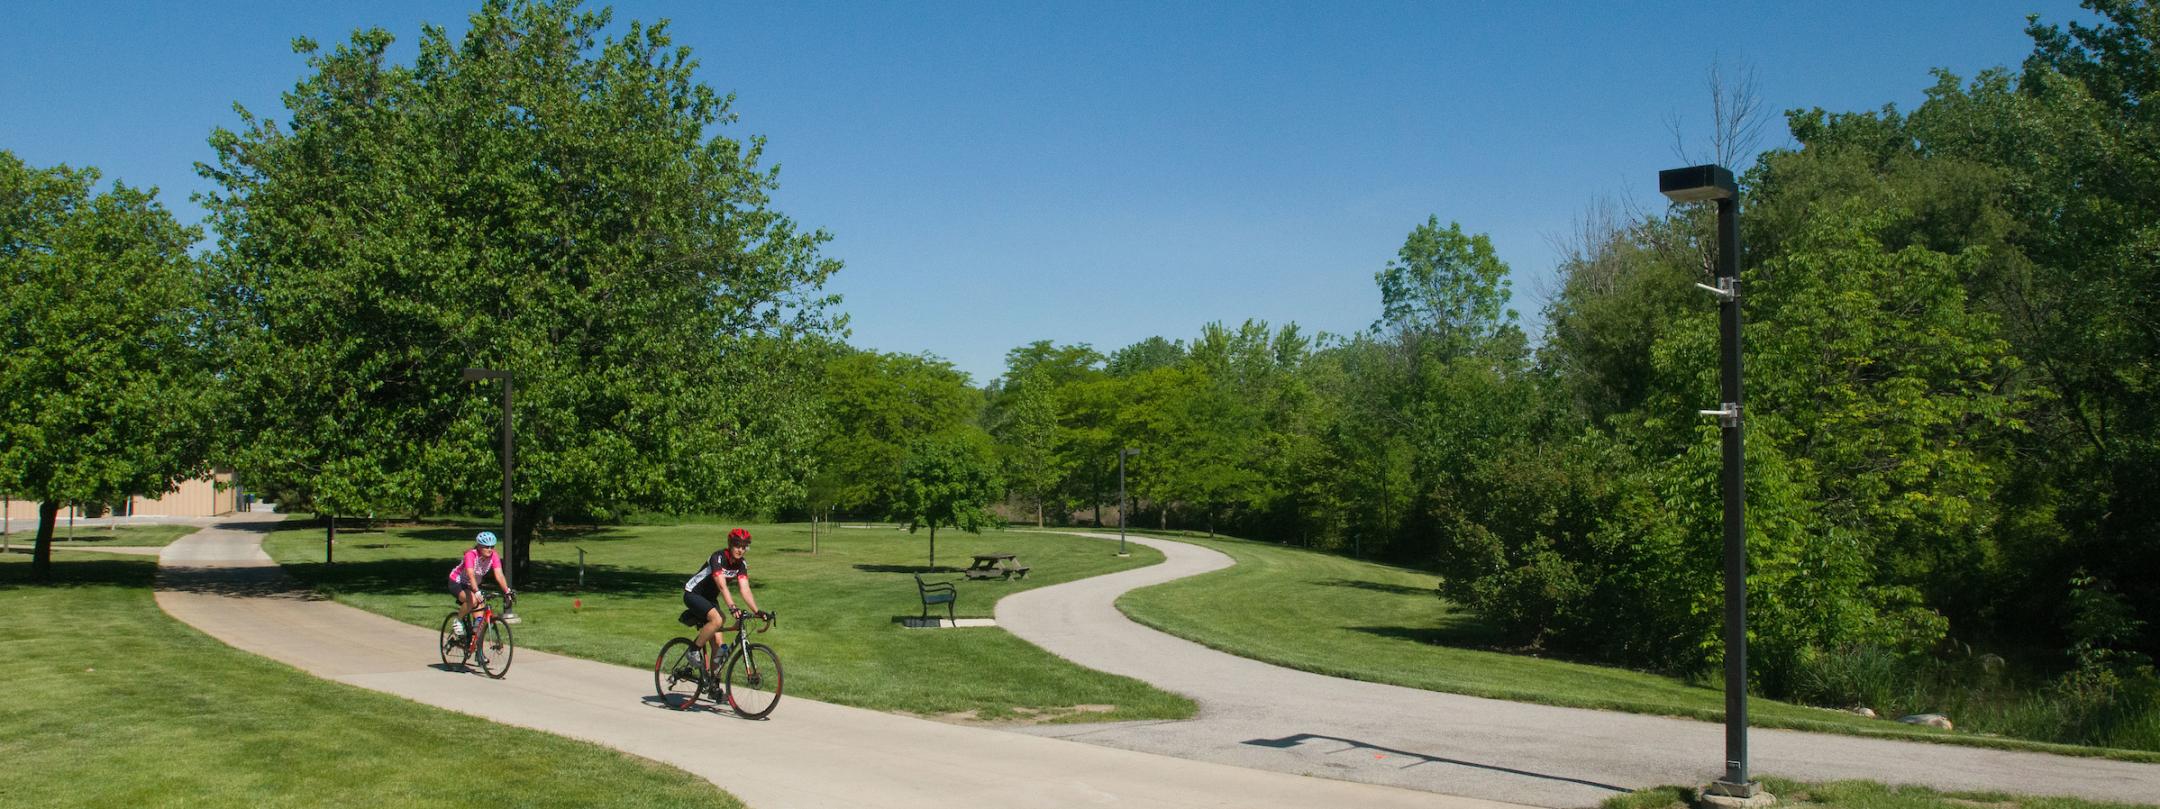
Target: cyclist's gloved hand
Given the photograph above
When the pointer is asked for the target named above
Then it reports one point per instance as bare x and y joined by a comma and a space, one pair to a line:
764, 616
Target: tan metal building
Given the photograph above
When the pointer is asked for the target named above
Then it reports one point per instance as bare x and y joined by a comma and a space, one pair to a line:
210, 496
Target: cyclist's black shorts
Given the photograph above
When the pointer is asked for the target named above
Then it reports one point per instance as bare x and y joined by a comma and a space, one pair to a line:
699, 605
455, 589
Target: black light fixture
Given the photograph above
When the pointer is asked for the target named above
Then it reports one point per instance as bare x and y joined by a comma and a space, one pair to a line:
1707, 183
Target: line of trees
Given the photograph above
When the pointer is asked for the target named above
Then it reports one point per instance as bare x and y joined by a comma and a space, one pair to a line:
1953, 432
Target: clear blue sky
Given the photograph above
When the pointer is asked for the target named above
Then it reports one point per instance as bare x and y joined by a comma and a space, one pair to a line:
996, 173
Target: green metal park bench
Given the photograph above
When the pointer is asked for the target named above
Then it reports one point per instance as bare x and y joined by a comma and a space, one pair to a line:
936, 593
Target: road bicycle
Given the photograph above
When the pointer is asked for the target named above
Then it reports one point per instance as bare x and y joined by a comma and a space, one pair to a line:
742, 674
486, 640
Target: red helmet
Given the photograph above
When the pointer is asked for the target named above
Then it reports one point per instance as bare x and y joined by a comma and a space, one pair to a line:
738, 537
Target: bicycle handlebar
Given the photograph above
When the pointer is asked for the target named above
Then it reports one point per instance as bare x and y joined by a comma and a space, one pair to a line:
769, 618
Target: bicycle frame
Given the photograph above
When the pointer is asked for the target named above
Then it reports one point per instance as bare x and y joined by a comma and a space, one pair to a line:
481, 616
741, 631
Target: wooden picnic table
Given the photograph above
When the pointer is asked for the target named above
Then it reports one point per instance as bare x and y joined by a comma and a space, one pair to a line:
1000, 565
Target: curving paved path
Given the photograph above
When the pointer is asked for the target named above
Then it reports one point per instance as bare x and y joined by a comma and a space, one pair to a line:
1253, 714
810, 754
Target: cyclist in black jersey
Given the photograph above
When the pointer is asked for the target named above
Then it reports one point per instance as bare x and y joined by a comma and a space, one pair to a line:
725, 565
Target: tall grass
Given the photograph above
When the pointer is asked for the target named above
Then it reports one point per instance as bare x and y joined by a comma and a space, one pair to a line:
2090, 705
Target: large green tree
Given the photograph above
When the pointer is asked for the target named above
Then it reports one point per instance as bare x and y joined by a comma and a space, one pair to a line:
948, 482
535, 196
876, 406
105, 387
1025, 428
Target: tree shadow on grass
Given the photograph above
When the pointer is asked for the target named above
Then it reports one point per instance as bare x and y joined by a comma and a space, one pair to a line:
450, 532
428, 578
1381, 587
868, 568
68, 572
1465, 634
465, 534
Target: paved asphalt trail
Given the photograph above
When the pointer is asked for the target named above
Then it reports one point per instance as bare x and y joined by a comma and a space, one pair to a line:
809, 754
1258, 715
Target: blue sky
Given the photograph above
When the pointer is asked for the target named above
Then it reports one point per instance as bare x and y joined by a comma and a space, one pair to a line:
996, 173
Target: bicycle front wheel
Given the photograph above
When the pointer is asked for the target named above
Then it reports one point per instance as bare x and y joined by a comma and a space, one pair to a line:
450, 645
496, 649
753, 681
674, 679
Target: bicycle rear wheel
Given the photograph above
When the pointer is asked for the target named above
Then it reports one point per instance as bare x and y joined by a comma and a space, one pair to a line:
753, 681
676, 681
450, 645
496, 649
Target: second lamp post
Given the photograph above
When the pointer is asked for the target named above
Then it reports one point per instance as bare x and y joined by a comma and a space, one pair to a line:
1121, 501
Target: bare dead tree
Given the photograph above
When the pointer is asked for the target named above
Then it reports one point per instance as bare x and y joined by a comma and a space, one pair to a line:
1585, 250
1736, 121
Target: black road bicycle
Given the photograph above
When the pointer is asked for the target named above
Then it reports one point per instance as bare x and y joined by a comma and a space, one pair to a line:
742, 674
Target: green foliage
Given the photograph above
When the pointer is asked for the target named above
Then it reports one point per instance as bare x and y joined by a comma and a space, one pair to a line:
876, 406
539, 197
947, 482
1146, 355
1024, 424
106, 388
1447, 282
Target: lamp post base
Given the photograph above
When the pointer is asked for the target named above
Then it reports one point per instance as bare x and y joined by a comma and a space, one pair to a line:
1727, 795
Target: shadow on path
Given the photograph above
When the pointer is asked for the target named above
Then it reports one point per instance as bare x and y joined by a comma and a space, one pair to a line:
1287, 742
235, 582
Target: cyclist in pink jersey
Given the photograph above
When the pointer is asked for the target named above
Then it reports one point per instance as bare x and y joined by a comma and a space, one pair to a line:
480, 560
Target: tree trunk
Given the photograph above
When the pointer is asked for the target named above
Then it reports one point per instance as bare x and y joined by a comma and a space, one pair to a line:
933, 548
521, 537
329, 542
1038, 512
48, 512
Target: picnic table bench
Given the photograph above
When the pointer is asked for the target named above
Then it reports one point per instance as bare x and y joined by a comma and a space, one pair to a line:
936, 593
1001, 565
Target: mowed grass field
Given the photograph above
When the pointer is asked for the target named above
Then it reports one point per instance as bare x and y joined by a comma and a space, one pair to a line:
1334, 615
839, 637
108, 702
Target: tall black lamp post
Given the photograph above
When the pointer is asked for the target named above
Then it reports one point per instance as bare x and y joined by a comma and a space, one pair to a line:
509, 544
1701, 184
1121, 501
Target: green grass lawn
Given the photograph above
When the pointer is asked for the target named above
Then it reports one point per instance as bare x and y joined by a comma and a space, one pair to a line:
1862, 795
839, 635
130, 536
1334, 615
109, 702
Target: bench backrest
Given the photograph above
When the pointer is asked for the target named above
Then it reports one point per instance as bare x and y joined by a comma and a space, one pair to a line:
943, 590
